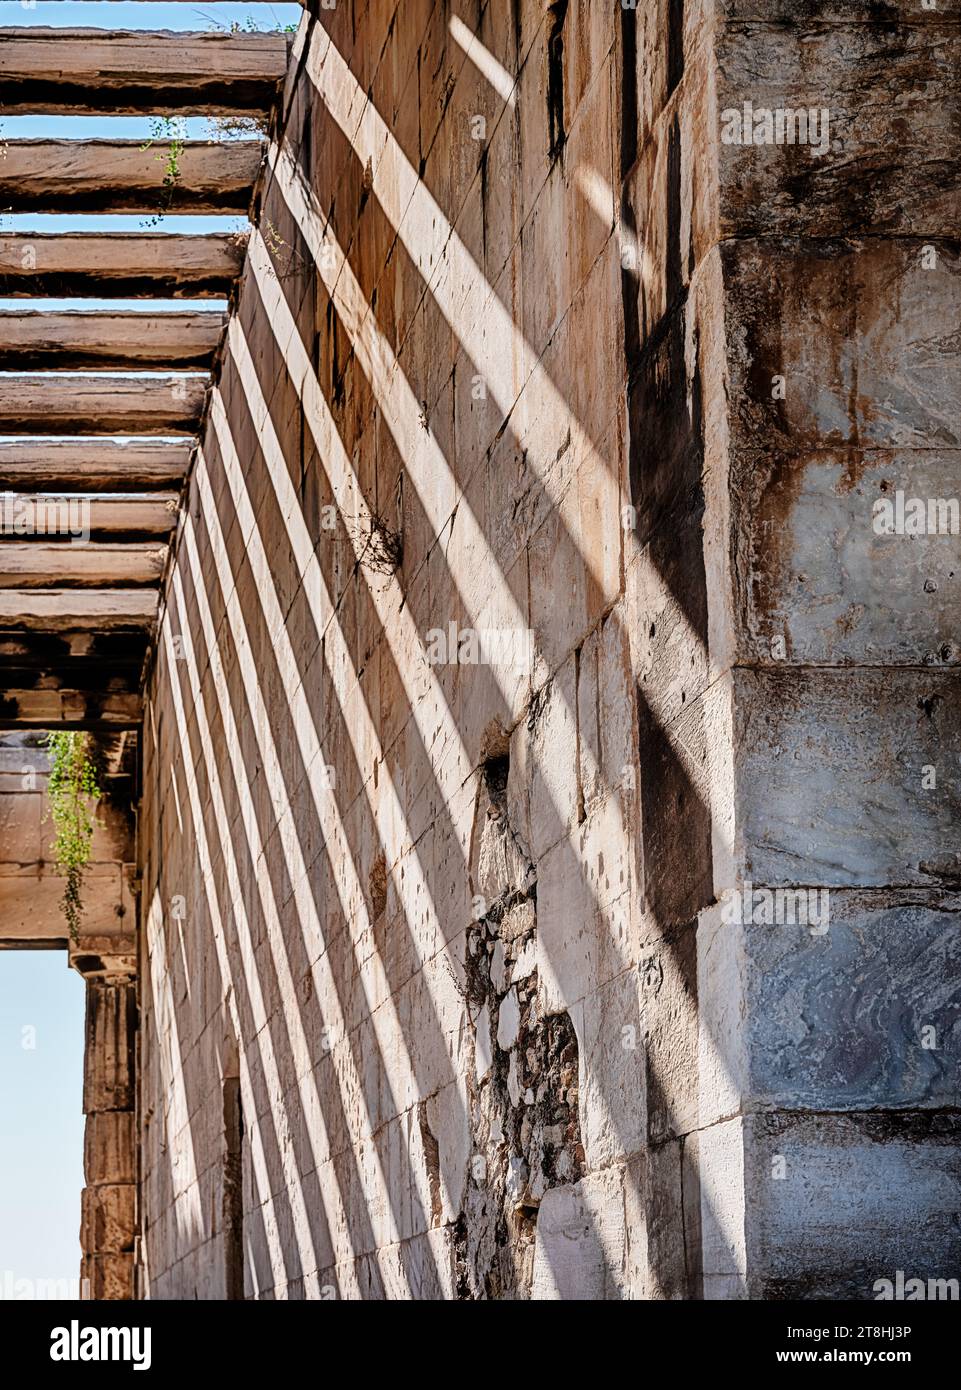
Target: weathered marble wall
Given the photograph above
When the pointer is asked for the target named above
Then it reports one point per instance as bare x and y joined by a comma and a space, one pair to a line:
841, 277
440, 995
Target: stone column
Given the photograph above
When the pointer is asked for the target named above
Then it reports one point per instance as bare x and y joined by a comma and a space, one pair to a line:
791, 184
109, 1202
841, 298
106, 956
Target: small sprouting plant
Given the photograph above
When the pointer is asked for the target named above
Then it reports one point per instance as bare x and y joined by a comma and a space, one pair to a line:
286, 260
172, 130
275, 242
73, 792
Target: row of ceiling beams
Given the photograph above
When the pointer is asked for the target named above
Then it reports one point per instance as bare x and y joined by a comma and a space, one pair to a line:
76, 620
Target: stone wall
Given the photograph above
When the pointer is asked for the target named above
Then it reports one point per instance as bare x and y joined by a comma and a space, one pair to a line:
841, 280
526, 605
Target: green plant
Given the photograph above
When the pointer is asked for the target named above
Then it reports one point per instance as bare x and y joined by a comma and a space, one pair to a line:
73, 793
170, 129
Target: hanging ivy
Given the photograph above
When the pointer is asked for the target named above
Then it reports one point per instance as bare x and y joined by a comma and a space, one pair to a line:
73, 793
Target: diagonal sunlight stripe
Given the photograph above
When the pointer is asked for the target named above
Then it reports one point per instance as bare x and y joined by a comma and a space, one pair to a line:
297, 868
400, 632
207, 873
425, 462
429, 472
306, 1081
381, 1002
244, 939
479, 321
599, 196
414, 670
353, 901
426, 466
484, 61
407, 650
359, 725
179, 1136
487, 333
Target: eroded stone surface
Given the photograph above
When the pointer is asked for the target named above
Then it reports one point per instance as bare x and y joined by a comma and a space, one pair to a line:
450, 932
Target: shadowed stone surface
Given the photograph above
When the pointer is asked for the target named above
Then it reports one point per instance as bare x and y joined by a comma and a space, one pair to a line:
433, 949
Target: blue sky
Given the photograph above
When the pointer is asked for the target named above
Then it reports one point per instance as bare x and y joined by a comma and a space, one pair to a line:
41, 1116
103, 14
41, 1121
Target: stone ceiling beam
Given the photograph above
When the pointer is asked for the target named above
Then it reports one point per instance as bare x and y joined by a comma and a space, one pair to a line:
65, 708
77, 610
101, 404
106, 518
93, 176
124, 72
39, 564
106, 265
82, 340
93, 465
